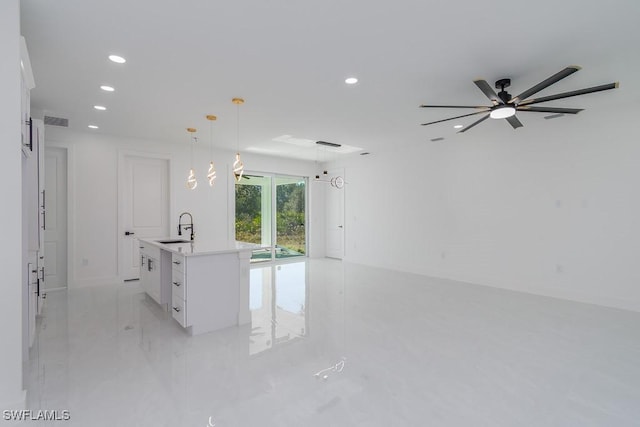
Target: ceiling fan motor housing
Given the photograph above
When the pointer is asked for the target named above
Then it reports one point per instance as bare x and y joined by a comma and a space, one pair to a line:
503, 94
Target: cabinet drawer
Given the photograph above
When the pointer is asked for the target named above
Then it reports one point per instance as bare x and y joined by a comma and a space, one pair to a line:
179, 310
178, 284
177, 262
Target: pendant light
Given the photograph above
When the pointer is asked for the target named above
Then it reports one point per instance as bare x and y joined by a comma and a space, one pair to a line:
192, 182
238, 166
211, 173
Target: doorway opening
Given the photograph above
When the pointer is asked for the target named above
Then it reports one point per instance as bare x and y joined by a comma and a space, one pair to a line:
271, 211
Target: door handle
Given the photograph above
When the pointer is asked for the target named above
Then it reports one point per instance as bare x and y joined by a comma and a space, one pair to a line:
129, 233
340, 226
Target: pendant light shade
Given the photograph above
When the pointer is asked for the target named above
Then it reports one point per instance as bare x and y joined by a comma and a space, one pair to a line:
238, 166
192, 182
211, 173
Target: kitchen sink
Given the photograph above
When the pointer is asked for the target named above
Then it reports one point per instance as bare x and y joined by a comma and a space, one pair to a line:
168, 242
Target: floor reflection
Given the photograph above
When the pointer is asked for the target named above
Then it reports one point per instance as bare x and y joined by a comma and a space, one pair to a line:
279, 299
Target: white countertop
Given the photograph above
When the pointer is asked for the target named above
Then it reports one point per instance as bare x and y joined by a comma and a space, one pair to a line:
197, 247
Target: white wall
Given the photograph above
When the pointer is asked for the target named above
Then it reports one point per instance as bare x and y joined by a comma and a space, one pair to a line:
551, 210
93, 180
11, 393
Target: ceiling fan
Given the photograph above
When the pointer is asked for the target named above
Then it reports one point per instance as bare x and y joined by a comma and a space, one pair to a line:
504, 106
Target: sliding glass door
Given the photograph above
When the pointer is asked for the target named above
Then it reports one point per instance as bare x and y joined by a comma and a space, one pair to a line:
271, 211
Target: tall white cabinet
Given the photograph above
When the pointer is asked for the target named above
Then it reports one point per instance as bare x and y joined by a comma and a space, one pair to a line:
32, 146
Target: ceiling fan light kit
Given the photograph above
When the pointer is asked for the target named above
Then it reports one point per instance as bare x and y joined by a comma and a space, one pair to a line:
502, 112
504, 106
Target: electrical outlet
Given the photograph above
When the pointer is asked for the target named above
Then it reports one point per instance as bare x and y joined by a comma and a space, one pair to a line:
559, 268
85, 262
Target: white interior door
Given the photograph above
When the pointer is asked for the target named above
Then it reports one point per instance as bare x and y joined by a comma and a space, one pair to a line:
334, 218
55, 218
144, 197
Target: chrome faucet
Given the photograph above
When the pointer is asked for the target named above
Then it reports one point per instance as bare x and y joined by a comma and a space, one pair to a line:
186, 226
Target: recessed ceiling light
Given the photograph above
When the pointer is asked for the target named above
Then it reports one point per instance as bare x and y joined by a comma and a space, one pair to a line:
92, 127
351, 80
107, 88
99, 107
457, 127
117, 59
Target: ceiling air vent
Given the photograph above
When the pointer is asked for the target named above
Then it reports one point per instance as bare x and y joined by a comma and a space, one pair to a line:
328, 144
56, 121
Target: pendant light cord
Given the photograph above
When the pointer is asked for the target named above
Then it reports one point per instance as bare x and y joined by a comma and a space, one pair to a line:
238, 128
192, 142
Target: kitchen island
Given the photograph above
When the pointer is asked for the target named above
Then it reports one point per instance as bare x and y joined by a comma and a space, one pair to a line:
204, 285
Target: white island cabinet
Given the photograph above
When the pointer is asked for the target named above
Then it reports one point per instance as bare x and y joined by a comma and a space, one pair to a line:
206, 287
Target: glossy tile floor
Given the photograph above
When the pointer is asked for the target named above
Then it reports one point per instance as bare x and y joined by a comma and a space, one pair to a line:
336, 344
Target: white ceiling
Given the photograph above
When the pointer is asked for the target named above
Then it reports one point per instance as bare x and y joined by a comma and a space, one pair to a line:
289, 59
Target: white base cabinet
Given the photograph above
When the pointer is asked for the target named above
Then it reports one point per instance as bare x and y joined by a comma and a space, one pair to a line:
153, 272
205, 291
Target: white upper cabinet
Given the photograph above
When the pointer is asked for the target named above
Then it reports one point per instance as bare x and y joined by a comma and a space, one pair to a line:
26, 84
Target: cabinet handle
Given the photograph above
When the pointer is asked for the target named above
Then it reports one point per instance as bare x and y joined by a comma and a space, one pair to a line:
30, 124
177, 262
176, 309
44, 215
176, 283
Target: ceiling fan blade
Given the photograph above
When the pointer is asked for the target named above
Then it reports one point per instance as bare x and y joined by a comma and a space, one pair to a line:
474, 123
545, 83
457, 117
570, 94
549, 109
484, 107
488, 91
514, 122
